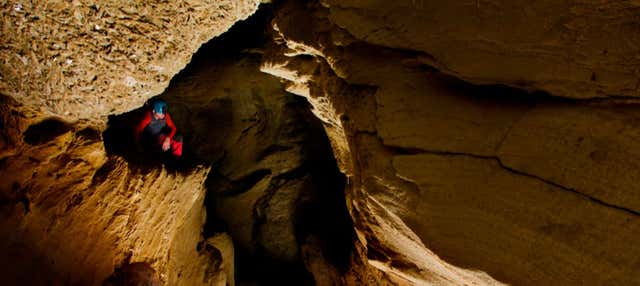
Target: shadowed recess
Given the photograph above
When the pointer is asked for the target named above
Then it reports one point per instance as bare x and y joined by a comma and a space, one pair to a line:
134, 274
45, 131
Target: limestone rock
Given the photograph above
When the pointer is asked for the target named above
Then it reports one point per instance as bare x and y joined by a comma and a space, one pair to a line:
588, 149
474, 205
445, 182
143, 223
88, 60
73, 215
460, 177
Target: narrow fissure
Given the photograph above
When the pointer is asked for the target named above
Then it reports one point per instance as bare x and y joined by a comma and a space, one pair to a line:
418, 151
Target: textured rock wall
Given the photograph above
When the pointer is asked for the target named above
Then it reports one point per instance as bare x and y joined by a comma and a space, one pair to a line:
578, 49
528, 188
84, 59
72, 214
244, 122
134, 220
447, 182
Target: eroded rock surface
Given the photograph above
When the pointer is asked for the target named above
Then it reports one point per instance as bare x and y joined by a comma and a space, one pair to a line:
73, 215
283, 208
574, 49
82, 60
446, 182
448, 176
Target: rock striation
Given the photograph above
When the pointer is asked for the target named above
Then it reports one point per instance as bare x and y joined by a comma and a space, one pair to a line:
483, 142
73, 214
577, 49
449, 176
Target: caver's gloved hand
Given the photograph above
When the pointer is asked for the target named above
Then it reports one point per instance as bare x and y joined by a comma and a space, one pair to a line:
166, 144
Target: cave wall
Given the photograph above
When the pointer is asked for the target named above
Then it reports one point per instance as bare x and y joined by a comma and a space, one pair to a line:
72, 214
85, 60
252, 131
447, 181
578, 49
529, 188
133, 219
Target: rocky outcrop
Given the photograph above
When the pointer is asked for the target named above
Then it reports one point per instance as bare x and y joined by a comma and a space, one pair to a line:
73, 215
448, 176
84, 60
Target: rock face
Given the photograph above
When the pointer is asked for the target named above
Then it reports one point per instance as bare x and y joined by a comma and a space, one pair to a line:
82, 60
576, 49
243, 121
83, 211
72, 214
436, 179
448, 176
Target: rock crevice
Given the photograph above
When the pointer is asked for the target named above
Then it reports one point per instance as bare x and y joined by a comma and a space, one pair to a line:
413, 151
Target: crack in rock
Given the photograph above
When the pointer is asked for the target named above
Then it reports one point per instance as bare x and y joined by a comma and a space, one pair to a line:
417, 151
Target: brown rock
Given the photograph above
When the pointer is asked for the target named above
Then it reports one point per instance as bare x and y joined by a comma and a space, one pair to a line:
447, 182
591, 150
474, 205
86, 61
452, 176
73, 215
570, 48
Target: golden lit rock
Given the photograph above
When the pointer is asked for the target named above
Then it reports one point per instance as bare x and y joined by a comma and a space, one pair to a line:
328, 143
86, 60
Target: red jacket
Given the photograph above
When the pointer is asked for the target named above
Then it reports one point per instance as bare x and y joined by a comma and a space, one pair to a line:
147, 119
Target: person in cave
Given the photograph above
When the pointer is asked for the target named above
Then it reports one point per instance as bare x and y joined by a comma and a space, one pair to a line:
156, 131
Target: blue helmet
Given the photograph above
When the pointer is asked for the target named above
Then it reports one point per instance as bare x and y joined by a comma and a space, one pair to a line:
159, 106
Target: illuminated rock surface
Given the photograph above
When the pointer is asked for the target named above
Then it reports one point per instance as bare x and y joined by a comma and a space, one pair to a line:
81, 59
73, 214
531, 189
475, 143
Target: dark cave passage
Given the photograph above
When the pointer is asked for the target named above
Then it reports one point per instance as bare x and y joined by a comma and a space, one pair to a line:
274, 185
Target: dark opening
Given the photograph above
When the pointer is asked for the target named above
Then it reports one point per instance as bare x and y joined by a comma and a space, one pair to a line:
322, 211
134, 274
242, 123
45, 131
